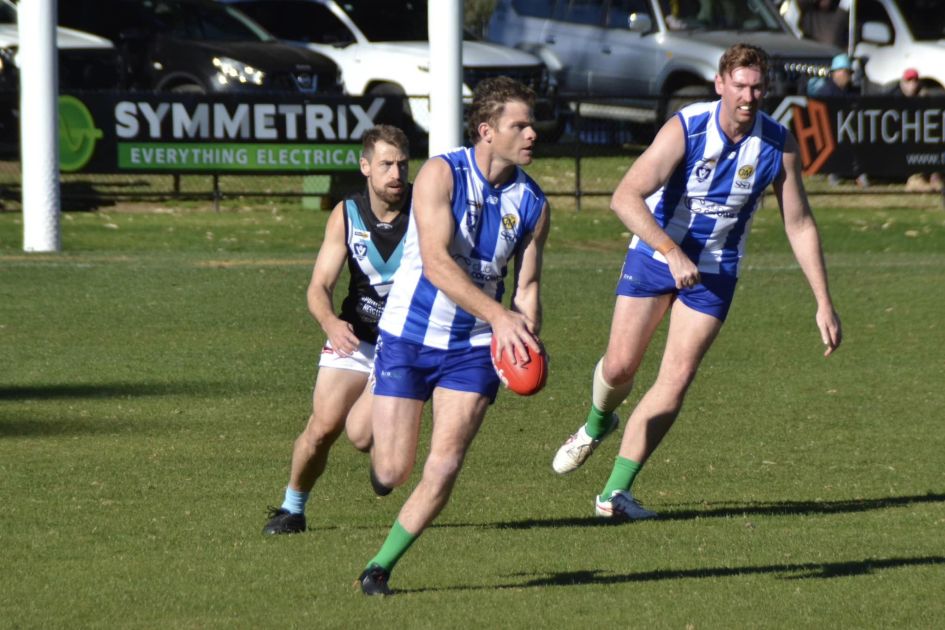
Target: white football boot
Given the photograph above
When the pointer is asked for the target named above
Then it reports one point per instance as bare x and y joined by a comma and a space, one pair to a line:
621, 506
575, 451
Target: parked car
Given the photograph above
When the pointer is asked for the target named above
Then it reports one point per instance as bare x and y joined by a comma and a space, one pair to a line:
199, 46
894, 35
86, 61
646, 58
383, 48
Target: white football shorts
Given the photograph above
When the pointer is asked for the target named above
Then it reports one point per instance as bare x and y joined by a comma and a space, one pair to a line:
361, 361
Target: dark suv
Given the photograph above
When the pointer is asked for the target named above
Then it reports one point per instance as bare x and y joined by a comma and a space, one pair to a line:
198, 46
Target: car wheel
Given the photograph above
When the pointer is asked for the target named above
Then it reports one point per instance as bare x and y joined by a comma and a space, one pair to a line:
549, 125
684, 96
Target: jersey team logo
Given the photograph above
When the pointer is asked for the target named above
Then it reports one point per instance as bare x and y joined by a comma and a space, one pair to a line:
746, 171
704, 169
473, 214
509, 222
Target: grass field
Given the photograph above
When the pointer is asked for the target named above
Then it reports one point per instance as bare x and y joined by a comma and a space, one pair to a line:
154, 374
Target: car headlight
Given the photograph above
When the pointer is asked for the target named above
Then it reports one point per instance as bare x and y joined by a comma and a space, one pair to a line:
233, 71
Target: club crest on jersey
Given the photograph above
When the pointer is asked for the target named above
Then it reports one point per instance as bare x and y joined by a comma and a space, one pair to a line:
360, 250
473, 214
509, 223
746, 171
704, 169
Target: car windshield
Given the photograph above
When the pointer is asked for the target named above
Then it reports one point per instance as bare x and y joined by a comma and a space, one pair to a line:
721, 15
389, 20
925, 17
209, 22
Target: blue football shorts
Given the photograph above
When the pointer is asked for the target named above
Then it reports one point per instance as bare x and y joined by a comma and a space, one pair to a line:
405, 369
643, 276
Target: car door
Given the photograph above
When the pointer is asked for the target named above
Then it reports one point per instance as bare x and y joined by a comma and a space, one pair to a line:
574, 35
628, 61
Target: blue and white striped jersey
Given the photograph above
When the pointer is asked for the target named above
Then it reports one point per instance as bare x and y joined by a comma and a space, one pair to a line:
708, 202
490, 223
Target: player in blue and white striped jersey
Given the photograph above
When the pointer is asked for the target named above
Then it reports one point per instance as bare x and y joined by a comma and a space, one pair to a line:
475, 212
689, 201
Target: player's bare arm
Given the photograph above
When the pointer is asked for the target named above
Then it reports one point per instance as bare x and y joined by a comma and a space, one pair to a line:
802, 233
435, 226
650, 171
328, 265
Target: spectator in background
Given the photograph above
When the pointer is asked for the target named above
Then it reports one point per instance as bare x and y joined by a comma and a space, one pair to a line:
838, 84
824, 21
910, 86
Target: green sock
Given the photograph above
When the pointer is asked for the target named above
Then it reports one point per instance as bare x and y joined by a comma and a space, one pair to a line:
625, 471
597, 422
397, 543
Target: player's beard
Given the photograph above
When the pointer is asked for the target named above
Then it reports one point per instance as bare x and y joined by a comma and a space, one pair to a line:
389, 195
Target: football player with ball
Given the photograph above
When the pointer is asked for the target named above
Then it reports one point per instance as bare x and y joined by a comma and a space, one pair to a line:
689, 200
474, 212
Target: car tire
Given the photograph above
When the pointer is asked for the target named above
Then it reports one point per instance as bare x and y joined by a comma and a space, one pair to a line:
683, 96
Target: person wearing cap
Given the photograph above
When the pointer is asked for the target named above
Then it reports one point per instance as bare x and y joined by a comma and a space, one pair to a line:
840, 81
838, 85
910, 86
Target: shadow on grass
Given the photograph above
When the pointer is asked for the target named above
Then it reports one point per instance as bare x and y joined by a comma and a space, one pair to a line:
775, 508
796, 571
20, 422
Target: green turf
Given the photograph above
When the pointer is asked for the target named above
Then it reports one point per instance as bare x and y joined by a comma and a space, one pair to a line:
155, 373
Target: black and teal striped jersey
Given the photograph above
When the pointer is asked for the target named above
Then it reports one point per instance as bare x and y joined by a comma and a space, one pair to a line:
374, 251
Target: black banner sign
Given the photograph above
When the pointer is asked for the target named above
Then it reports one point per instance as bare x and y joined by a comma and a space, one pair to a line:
878, 135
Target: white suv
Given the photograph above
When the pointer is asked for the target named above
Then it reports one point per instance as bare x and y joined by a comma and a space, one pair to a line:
895, 35
382, 48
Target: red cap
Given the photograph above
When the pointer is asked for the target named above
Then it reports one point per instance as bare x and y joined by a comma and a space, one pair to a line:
911, 74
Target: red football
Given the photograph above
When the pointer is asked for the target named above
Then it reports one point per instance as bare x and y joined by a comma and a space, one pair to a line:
524, 379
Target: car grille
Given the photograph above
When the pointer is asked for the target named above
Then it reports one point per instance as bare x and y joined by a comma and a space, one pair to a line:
535, 77
88, 69
790, 76
305, 82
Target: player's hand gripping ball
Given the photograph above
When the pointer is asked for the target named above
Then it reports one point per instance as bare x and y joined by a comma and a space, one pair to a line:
526, 378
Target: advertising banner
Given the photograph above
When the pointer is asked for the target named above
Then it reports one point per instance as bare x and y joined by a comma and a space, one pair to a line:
102, 132
878, 135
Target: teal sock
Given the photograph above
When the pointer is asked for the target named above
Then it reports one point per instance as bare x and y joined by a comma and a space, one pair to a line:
397, 543
294, 501
622, 476
597, 422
